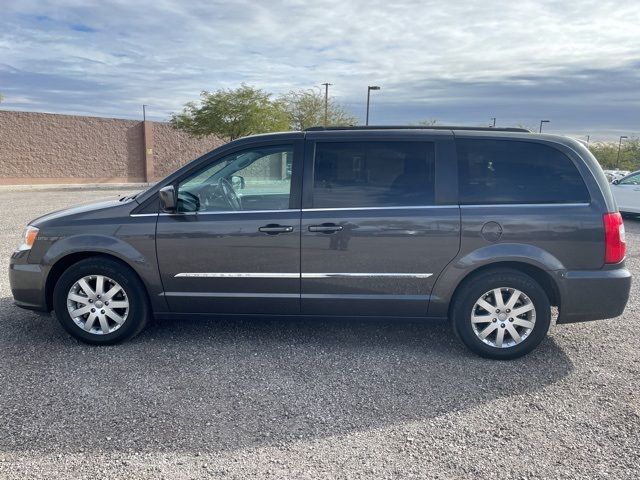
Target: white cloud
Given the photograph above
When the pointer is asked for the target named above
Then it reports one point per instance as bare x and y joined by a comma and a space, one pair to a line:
422, 53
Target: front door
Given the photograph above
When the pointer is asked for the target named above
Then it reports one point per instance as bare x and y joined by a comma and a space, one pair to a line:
375, 232
233, 246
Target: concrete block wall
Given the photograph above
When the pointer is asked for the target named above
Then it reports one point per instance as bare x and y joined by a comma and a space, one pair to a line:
172, 149
42, 148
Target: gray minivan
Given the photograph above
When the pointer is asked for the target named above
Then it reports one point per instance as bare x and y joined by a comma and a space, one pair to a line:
488, 228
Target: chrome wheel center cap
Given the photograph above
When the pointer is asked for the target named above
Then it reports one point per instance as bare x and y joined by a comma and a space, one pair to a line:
99, 304
501, 316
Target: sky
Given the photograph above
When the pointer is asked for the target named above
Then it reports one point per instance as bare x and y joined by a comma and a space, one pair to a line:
575, 63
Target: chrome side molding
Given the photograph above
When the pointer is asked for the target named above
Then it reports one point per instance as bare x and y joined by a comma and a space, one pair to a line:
366, 275
236, 275
298, 275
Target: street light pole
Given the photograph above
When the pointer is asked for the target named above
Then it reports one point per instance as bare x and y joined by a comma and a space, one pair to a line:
541, 122
369, 88
493, 125
619, 146
326, 102
144, 112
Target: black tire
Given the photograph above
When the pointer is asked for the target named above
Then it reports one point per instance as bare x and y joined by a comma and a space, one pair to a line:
475, 287
138, 313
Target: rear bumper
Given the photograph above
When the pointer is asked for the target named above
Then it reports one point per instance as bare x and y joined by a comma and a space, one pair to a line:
27, 282
593, 295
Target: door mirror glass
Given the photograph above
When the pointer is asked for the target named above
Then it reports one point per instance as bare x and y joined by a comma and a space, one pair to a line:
237, 182
168, 198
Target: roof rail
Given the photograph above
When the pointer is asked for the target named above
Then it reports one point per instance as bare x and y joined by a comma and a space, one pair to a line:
418, 127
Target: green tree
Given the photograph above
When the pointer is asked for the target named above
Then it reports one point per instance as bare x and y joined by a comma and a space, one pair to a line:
607, 154
232, 113
305, 109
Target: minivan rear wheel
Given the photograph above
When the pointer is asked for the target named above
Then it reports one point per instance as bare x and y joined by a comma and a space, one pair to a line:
501, 314
100, 301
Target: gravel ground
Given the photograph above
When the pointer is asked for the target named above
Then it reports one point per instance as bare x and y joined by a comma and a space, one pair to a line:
282, 398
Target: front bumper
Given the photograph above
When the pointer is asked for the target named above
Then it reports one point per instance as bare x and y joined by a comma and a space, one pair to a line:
27, 281
593, 295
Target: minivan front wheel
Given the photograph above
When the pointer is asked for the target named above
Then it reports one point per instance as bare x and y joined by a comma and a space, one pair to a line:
100, 301
501, 314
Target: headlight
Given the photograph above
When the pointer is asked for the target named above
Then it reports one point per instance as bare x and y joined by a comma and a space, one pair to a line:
28, 238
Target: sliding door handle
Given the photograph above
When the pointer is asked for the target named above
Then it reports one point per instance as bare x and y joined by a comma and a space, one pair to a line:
274, 229
325, 228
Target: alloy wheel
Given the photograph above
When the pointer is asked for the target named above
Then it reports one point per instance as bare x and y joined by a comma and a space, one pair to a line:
503, 317
98, 304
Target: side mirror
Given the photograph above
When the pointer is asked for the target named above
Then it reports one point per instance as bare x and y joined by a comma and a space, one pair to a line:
237, 182
168, 198
616, 181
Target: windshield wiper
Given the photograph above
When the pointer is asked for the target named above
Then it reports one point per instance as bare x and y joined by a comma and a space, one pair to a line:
128, 197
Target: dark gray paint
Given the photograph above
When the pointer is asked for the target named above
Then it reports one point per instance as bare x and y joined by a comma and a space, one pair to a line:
229, 242
417, 241
565, 242
103, 228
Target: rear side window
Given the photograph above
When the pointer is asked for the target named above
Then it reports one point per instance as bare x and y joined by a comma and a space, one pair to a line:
373, 174
504, 172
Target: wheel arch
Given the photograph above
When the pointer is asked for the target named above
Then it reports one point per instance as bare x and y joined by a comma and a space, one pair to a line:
528, 259
544, 279
66, 261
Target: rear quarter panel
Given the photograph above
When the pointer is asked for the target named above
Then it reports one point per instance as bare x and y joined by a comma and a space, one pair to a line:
553, 237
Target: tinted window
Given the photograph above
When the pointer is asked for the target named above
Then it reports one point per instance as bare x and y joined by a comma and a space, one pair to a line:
373, 174
499, 172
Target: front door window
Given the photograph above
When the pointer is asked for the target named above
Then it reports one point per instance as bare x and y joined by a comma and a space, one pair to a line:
256, 179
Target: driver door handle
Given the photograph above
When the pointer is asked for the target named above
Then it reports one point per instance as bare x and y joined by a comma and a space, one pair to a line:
274, 229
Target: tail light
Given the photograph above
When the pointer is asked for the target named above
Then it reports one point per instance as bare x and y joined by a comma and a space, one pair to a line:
615, 245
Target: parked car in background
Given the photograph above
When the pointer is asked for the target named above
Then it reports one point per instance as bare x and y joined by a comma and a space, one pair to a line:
626, 191
613, 175
488, 228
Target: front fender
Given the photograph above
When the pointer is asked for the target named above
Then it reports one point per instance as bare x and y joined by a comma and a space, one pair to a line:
94, 243
144, 265
462, 266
